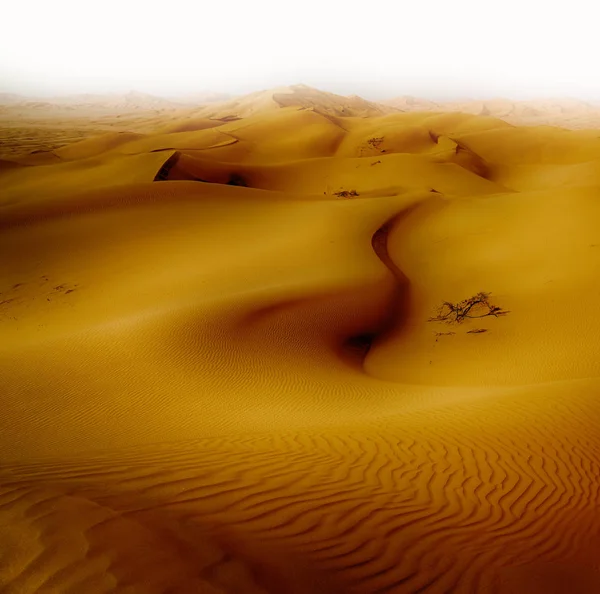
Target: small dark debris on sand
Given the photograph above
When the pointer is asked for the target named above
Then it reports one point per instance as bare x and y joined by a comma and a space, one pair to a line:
346, 193
375, 142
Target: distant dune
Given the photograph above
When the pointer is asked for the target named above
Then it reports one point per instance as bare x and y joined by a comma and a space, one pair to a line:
294, 342
115, 102
562, 112
297, 96
566, 113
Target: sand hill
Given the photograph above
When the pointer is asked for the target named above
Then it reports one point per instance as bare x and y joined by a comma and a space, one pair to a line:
566, 113
28, 125
298, 96
111, 102
227, 365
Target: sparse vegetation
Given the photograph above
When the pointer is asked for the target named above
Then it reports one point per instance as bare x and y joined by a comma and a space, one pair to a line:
477, 331
346, 193
438, 334
477, 306
375, 142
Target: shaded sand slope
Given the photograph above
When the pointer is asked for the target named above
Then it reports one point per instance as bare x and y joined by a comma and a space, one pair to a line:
182, 298
385, 176
211, 388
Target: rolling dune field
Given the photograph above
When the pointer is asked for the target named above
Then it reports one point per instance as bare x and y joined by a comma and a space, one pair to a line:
224, 368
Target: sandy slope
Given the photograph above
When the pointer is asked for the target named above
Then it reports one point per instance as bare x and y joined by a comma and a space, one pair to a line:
218, 375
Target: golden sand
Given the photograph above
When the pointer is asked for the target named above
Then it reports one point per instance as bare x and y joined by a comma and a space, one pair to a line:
218, 373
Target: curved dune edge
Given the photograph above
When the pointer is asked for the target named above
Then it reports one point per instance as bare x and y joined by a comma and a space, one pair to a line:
230, 385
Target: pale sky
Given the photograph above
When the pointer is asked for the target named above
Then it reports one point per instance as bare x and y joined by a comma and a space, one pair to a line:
457, 48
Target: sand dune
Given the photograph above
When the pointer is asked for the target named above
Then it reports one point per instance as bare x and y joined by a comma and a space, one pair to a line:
297, 96
113, 103
219, 373
565, 112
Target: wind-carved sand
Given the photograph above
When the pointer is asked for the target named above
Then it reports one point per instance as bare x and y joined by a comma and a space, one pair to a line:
219, 373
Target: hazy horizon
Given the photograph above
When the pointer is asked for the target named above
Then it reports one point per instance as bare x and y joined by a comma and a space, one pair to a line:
441, 51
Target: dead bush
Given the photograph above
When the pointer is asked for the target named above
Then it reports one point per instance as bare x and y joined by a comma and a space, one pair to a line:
478, 306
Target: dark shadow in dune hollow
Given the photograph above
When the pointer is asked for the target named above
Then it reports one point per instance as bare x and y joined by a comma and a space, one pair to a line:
356, 347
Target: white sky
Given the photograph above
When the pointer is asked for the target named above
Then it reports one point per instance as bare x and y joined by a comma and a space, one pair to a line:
377, 49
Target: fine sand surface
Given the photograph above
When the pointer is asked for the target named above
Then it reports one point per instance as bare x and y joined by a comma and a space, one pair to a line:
218, 375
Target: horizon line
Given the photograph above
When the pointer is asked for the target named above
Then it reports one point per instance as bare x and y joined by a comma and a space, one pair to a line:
173, 97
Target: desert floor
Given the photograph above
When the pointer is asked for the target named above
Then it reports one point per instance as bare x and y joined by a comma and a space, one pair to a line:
219, 373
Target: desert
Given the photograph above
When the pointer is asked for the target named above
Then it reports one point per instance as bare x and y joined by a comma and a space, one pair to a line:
299, 342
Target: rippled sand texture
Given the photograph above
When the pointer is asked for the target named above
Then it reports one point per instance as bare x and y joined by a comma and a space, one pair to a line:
219, 376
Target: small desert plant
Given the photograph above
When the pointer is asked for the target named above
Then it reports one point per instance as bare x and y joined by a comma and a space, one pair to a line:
477, 331
477, 306
346, 193
438, 334
375, 142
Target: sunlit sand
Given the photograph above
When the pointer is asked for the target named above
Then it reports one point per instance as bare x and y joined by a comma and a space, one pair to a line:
224, 366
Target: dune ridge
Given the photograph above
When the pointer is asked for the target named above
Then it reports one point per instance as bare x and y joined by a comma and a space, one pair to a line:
219, 373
